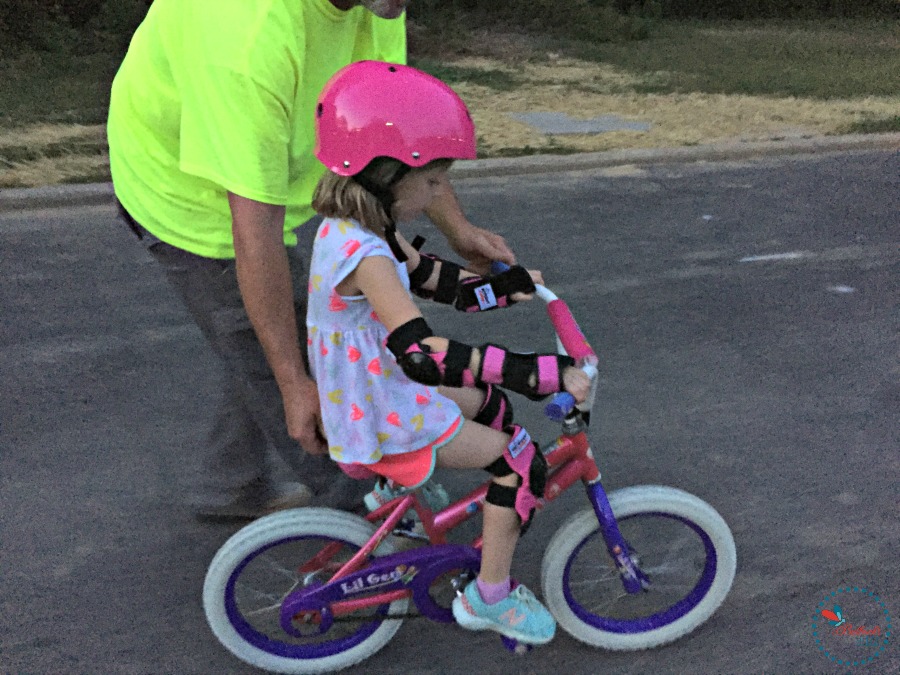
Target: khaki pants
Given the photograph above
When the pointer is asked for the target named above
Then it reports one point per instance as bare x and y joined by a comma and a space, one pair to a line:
249, 423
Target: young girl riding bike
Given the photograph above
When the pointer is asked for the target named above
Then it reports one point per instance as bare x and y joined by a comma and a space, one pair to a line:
397, 400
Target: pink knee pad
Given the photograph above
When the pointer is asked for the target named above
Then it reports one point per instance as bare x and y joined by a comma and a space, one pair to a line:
523, 457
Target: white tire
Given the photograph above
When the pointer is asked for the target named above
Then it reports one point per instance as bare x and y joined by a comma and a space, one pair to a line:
644, 499
327, 523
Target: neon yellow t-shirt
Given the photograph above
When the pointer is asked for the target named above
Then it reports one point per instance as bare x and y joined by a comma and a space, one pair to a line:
218, 96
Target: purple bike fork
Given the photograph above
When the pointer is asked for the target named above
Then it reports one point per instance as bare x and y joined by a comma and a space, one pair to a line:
633, 579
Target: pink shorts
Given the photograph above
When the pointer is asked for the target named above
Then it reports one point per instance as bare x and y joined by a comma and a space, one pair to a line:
409, 469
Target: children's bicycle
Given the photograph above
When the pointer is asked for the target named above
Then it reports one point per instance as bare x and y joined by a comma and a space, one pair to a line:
316, 590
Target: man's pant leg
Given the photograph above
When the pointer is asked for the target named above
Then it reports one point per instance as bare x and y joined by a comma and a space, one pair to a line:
251, 414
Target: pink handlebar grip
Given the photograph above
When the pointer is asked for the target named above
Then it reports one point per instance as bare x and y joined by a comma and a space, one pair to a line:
570, 334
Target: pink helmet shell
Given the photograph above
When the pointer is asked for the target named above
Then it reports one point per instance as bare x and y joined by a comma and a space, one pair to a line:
374, 109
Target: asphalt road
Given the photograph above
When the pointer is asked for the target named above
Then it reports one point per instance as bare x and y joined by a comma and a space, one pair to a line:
768, 386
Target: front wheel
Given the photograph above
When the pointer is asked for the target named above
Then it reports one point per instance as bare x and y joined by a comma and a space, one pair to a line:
265, 561
677, 540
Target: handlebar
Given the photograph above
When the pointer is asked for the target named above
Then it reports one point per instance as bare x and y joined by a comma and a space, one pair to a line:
571, 341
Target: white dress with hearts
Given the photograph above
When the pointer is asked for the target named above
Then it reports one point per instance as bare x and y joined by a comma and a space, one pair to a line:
370, 408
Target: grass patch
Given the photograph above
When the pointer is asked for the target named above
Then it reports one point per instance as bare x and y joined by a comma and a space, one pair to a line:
44, 87
882, 125
553, 147
492, 78
811, 59
693, 82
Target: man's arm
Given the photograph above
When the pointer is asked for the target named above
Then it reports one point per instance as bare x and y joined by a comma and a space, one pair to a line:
480, 247
264, 279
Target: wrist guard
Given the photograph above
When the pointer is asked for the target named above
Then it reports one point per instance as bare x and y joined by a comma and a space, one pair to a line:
472, 294
479, 294
447, 287
532, 375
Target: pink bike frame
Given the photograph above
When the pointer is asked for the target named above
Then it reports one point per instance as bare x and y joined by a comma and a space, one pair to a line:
570, 459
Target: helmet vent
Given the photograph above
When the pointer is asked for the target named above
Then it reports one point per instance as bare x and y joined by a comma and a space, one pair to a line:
346, 164
319, 110
415, 155
392, 69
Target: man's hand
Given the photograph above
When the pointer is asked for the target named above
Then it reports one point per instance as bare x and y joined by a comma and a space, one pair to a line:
480, 247
304, 418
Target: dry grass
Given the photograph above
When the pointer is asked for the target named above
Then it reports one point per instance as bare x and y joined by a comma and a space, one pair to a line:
56, 171
585, 90
41, 135
51, 154
513, 73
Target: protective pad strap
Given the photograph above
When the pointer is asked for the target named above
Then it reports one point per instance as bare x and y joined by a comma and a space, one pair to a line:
454, 365
448, 279
421, 364
479, 294
496, 411
501, 495
516, 371
421, 274
448, 283
410, 333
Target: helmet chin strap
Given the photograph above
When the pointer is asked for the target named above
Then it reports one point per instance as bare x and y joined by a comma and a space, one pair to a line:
385, 196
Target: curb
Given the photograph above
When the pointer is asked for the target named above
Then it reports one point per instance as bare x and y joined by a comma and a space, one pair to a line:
96, 194
731, 150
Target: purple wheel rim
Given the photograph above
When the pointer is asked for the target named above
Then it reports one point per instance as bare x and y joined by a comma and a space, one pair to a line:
658, 619
287, 650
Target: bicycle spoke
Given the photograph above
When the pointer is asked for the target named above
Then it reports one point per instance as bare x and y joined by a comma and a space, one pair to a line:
664, 549
276, 605
275, 566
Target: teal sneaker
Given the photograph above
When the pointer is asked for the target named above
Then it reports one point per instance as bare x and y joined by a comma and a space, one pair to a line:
519, 615
433, 494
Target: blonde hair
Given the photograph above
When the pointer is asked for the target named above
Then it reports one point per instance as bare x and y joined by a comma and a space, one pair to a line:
342, 197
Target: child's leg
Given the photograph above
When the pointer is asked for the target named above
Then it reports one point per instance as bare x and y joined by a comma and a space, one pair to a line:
476, 447
491, 602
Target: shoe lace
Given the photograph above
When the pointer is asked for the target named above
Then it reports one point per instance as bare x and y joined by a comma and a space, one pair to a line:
526, 597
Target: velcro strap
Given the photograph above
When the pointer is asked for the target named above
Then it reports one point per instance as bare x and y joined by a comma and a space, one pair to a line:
456, 365
484, 293
422, 273
549, 377
499, 467
405, 336
515, 371
496, 411
507, 369
501, 495
448, 283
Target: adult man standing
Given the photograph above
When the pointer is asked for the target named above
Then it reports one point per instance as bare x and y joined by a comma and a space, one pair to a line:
211, 150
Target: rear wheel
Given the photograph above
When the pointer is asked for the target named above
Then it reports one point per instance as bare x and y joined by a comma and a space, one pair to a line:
260, 565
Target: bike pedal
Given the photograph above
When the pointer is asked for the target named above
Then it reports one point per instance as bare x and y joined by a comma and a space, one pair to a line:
516, 647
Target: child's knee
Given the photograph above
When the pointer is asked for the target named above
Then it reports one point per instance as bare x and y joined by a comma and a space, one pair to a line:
520, 476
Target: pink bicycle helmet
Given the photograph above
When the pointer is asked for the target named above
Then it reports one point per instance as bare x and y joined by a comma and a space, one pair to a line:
373, 109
